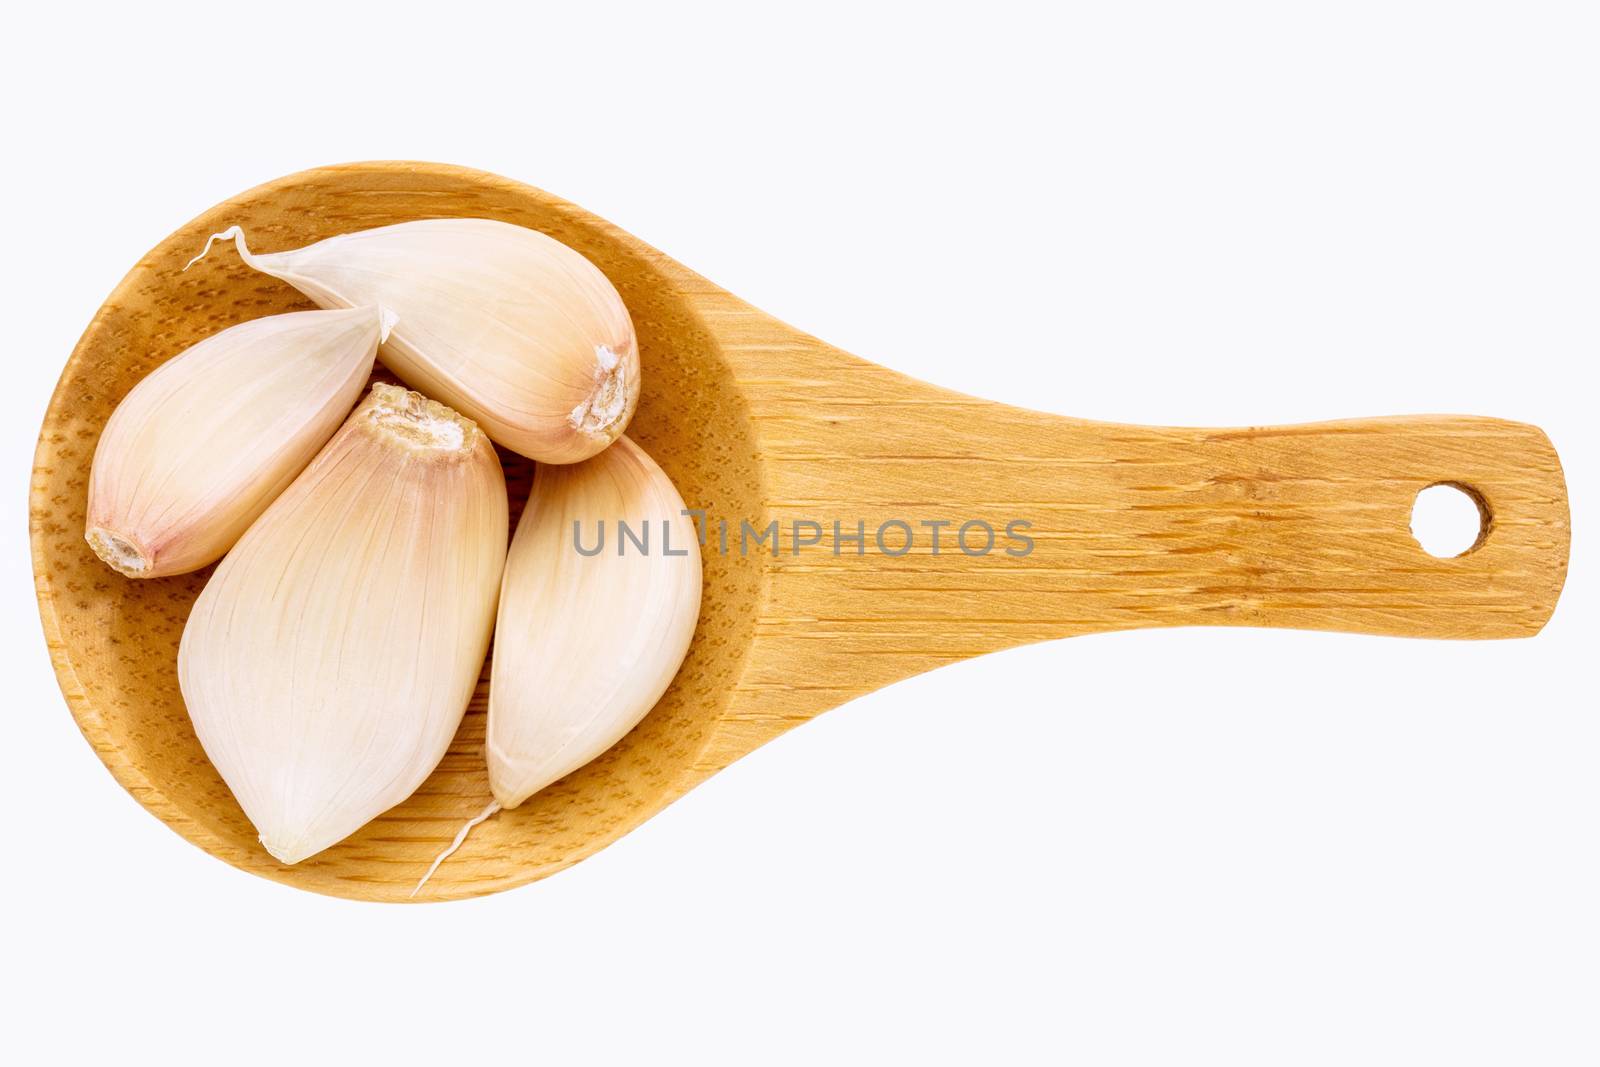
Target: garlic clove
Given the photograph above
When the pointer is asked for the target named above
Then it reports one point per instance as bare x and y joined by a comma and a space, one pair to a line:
511, 327
586, 644
327, 663
200, 447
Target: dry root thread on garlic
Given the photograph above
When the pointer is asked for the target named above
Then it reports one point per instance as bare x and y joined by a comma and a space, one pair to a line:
510, 327
200, 447
330, 658
585, 645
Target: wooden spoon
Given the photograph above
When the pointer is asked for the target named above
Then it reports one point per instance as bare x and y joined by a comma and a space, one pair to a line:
1300, 526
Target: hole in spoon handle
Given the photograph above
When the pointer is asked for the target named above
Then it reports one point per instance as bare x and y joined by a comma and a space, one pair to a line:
1449, 519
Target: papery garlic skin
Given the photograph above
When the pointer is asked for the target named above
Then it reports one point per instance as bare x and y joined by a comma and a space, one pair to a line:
200, 447
328, 661
586, 645
512, 328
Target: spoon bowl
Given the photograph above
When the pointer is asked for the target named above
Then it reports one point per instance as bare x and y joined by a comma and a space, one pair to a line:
758, 423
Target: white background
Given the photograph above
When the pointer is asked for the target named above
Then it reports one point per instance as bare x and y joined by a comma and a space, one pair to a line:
1172, 847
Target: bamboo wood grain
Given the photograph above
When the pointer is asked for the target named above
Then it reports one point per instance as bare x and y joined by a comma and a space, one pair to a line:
1300, 526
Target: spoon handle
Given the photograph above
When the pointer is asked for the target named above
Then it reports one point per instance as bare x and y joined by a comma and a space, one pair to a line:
1297, 526
1306, 527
